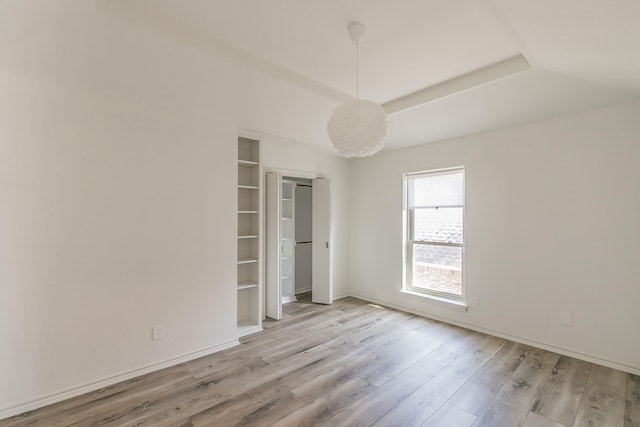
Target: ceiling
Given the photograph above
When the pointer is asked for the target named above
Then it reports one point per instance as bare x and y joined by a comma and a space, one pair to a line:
297, 56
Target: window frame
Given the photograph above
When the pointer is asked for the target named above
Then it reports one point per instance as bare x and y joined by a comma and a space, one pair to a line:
409, 243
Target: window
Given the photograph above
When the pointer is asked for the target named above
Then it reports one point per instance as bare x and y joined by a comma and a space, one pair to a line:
434, 244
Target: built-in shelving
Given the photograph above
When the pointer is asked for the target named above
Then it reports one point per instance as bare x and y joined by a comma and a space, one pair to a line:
287, 265
246, 284
248, 163
249, 277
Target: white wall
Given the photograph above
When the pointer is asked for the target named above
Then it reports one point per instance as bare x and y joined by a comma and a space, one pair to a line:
552, 225
278, 154
113, 218
117, 159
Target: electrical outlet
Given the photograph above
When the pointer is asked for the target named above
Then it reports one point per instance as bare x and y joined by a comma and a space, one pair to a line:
565, 319
157, 332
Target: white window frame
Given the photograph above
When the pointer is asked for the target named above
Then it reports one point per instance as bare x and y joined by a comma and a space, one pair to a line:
408, 242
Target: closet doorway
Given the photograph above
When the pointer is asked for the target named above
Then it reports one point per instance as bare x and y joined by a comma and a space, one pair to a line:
298, 249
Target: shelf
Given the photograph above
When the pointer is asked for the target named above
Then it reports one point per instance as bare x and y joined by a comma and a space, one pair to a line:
286, 200
286, 218
285, 277
287, 238
247, 284
249, 234
284, 258
246, 327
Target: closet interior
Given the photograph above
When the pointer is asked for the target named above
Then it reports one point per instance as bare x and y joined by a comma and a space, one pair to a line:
296, 236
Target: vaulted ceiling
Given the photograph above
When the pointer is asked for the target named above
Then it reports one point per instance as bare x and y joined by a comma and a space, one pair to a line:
281, 66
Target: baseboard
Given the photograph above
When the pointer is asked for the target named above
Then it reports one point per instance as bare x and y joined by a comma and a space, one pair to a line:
533, 343
303, 291
59, 396
286, 300
341, 296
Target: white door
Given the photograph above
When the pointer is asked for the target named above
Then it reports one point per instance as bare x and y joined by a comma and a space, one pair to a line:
322, 282
273, 284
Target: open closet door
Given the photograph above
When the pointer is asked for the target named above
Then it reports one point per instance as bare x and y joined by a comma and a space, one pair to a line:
322, 281
273, 283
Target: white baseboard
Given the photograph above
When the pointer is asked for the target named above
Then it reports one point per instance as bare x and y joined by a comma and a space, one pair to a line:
303, 290
341, 296
286, 300
549, 347
79, 390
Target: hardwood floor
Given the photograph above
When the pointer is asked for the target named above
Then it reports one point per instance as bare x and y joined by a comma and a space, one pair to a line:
358, 364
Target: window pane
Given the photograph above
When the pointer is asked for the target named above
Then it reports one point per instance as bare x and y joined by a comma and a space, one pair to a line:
436, 190
437, 268
438, 225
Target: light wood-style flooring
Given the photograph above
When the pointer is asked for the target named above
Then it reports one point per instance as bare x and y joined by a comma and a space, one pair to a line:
358, 364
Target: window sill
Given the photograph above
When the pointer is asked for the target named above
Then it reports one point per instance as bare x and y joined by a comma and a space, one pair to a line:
445, 302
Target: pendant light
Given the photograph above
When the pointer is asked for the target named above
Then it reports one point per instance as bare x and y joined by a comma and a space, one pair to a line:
358, 128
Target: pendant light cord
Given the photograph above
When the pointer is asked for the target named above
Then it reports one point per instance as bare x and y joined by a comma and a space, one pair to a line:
357, 69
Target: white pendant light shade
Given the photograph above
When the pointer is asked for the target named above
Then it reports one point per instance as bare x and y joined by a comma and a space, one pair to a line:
358, 128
